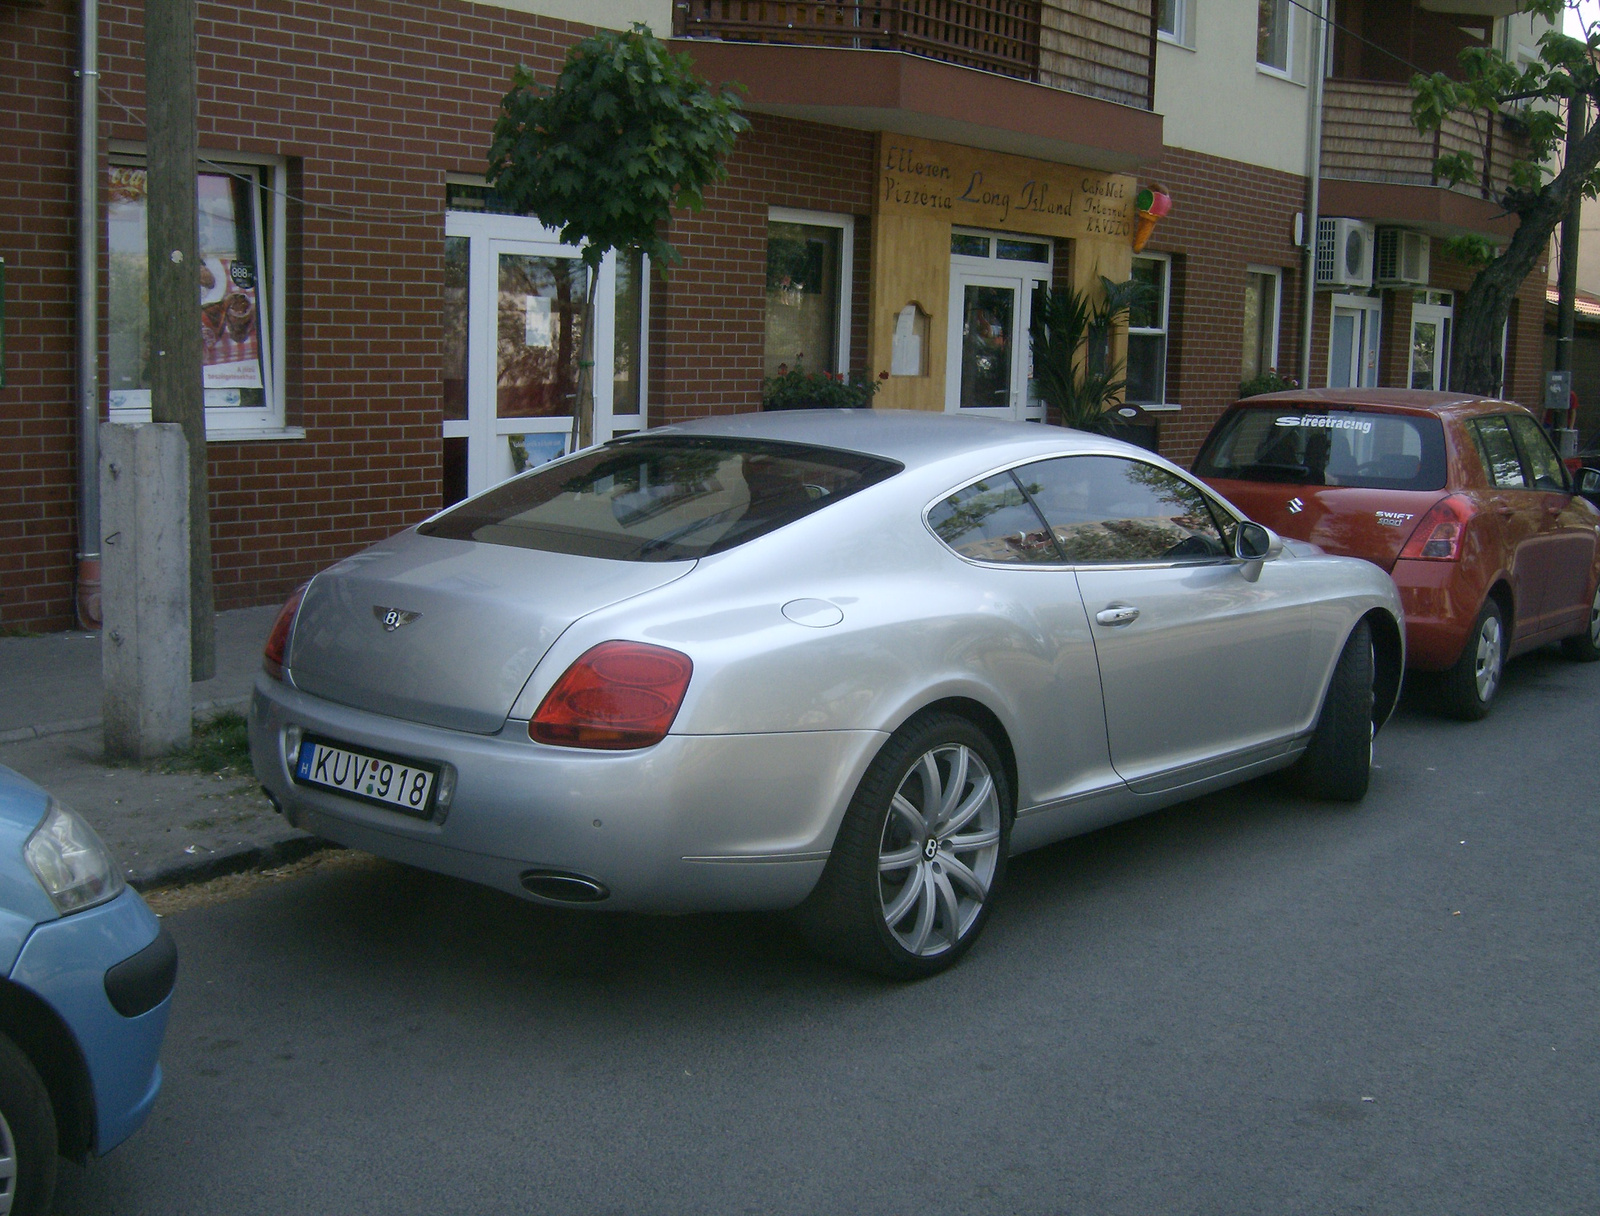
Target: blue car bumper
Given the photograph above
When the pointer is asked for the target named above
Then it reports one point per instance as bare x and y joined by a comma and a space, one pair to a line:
86, 967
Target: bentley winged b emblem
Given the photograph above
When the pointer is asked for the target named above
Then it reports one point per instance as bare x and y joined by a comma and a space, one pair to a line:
392, 618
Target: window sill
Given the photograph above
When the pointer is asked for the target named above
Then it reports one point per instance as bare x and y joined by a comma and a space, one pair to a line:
1166, 39
1266, 69
279, 434
1165, 407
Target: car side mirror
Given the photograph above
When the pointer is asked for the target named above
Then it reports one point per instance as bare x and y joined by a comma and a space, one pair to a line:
1586, 484
1254, 543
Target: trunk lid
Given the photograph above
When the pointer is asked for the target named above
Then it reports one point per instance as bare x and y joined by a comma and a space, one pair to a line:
1344, 520
470, 622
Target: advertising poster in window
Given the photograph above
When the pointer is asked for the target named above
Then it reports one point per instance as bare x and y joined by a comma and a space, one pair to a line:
229, 291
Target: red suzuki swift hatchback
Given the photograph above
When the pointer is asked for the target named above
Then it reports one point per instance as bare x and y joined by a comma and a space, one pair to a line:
1462, 499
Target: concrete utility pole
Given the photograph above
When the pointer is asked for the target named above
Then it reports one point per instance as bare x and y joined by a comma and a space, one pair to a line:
144, 651
177, 393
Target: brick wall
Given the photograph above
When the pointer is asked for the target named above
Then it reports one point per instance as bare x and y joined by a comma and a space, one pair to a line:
708, 319
1225, 216
373, 103
37, 430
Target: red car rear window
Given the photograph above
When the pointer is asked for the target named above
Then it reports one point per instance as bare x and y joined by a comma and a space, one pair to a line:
1311, 446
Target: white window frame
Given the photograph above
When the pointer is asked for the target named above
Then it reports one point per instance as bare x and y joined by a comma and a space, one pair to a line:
1182, 32
1291, 46
1165, 331
1371, 308
232, 423
1276, 273
847, 252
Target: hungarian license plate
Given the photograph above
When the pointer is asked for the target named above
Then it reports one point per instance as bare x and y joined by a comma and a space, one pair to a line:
401, 785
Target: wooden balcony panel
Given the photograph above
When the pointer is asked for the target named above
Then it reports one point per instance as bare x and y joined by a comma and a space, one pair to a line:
1367, 135
999, 36
1100, 48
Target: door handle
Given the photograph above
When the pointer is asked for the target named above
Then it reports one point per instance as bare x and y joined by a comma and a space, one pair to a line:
1504, 510
1117, 614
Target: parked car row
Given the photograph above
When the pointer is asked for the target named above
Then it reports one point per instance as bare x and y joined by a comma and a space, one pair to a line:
1490, 539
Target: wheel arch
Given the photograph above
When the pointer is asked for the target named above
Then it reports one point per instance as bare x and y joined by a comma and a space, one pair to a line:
1500, 592
1388, 652
987, 721
44, 1038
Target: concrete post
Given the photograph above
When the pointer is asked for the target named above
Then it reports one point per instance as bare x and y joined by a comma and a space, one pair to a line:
144, 646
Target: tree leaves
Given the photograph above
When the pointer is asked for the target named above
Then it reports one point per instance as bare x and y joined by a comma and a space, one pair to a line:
627, 133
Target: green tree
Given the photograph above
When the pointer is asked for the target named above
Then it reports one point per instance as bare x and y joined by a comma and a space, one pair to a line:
1537, 194
1073, 370
627, 133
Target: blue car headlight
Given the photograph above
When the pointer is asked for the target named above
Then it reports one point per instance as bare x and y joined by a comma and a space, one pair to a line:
75, 869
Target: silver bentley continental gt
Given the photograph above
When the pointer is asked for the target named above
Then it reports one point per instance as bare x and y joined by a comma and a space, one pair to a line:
840, 662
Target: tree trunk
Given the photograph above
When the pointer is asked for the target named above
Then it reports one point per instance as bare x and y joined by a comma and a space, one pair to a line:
1475, 364
583, 421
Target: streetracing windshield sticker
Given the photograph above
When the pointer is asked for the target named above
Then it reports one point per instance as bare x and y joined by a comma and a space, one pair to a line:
1325, 422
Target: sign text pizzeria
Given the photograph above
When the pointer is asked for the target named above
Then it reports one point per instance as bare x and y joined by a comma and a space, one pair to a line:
991, 190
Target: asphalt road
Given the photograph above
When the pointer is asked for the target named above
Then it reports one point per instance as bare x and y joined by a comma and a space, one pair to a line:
1247, 1004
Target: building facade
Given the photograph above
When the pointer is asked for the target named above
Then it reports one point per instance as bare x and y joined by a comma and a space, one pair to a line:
381, 338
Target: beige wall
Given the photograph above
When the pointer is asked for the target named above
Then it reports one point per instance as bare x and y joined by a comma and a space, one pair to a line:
612, 14
1213, 98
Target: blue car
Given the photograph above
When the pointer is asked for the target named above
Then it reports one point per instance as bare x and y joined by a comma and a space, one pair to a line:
84, 1002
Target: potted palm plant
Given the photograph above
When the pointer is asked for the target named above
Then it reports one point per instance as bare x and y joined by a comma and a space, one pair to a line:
1073, 370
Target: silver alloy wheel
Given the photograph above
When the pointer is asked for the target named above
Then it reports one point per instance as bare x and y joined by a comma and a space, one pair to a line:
1594, 619
940, 846
1488, 657
8, 1167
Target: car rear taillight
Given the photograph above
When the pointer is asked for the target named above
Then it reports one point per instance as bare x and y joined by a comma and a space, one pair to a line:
1438, 537
617, 696
277, 650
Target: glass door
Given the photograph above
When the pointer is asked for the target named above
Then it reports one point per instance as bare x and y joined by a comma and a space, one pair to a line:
1353, 343
994, 280
513, 339
1430, 346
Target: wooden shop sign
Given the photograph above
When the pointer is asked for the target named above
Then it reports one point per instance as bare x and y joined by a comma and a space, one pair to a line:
980, 189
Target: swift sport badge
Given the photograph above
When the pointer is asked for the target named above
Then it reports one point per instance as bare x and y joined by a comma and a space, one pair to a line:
1392, 519
393, 618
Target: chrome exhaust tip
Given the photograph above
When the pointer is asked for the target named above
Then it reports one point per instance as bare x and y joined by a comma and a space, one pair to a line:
564, 888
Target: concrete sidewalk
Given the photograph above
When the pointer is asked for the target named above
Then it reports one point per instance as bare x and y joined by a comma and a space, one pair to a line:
166, 828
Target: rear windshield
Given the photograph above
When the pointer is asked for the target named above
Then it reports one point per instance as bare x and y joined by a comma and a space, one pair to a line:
661, 500
1337, 447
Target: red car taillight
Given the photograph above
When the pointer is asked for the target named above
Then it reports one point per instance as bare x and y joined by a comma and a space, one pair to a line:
276, 652
1438, 537
617, 696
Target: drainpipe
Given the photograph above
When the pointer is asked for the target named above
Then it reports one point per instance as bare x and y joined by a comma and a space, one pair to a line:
1319, 27
88, 329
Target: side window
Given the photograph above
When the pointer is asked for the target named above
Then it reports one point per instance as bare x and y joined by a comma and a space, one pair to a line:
1543, 463
1105, 510
991, 521
1500, 457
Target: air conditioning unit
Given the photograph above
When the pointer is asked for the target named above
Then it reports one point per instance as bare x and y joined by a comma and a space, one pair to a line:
1344, 253
1401, 258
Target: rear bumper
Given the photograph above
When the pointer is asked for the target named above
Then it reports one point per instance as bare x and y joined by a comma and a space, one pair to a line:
1441, 604
695, 823
79, 965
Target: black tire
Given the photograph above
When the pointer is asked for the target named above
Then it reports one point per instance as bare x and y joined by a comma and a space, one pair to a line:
1337, 764
1585, 646
27, 1134
1468, 688
948, 890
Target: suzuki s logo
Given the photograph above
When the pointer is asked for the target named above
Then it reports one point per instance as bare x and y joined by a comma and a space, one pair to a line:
1296, 506
393, 618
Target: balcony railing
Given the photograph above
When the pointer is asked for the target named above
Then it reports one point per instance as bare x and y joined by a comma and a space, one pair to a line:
996, 35
1367, 135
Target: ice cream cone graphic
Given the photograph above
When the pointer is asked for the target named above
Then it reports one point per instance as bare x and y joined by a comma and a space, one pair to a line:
1152, 203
